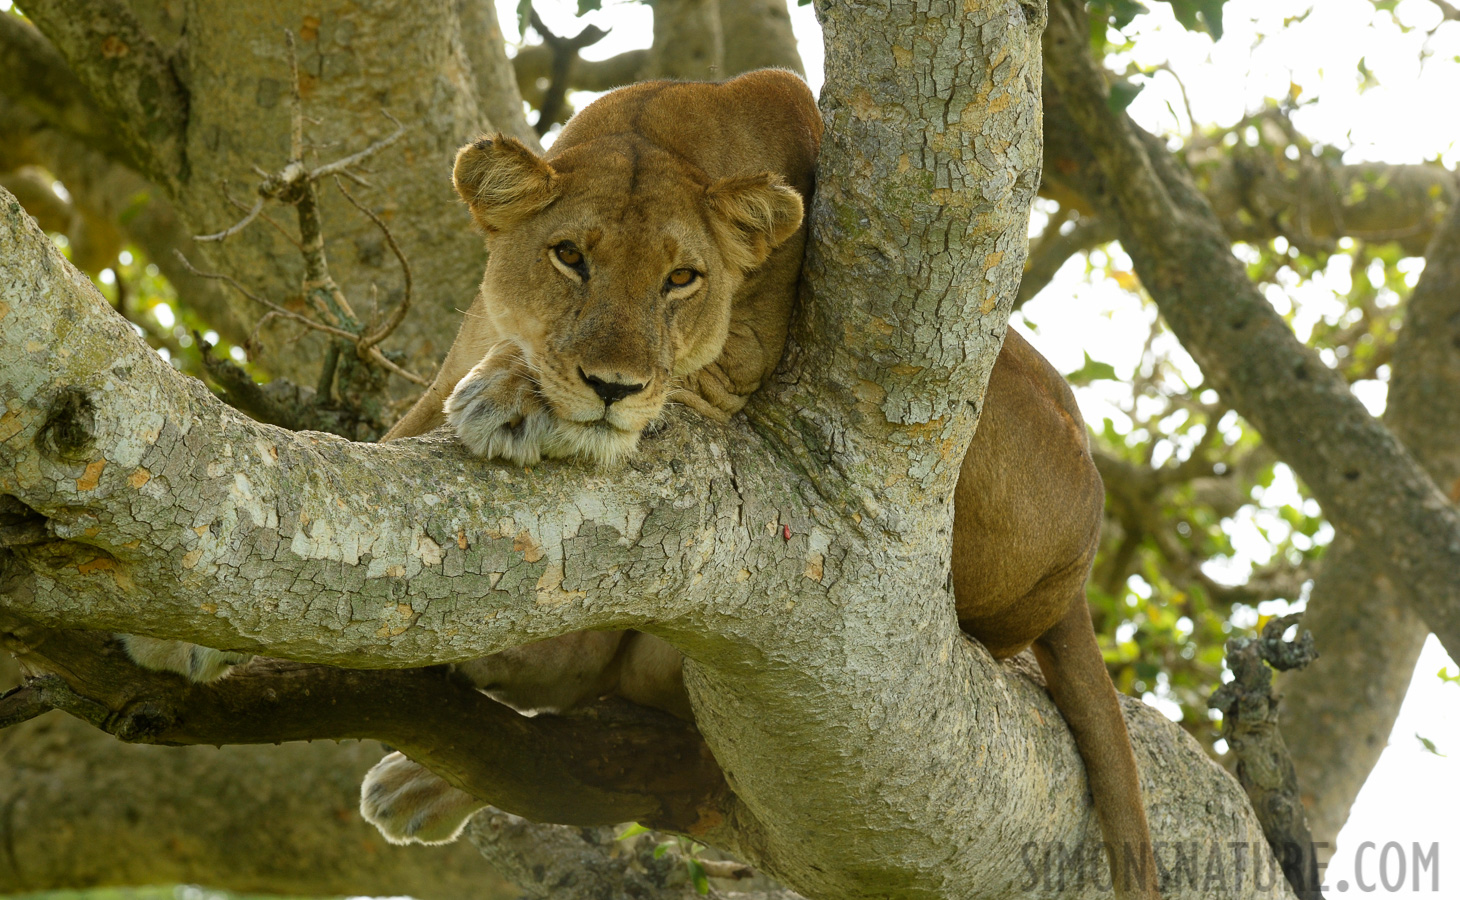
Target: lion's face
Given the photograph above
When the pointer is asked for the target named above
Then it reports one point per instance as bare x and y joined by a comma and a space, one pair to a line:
614, 272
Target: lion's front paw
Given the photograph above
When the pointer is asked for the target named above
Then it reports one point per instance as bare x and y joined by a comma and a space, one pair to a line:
199, 664
496, 410
411, 805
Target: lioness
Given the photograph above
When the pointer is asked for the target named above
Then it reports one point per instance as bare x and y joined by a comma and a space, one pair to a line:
652, 255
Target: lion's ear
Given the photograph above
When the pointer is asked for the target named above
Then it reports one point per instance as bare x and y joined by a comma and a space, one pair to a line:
754, 214
502, 181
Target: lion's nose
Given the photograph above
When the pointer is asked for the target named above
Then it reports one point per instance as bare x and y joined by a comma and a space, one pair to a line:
609, 391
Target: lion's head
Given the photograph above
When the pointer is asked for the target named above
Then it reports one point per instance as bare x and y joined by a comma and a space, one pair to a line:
612, 273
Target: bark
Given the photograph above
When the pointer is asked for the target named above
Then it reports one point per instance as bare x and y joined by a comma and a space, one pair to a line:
1370, 488
232, 75
798, 557
1341, 709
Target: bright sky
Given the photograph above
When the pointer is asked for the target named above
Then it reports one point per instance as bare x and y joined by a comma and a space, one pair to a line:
1410, 797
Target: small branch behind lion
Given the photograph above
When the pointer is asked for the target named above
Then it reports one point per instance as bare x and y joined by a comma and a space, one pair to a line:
294, 185
1249, 710
399, 313
565, 51
370, 353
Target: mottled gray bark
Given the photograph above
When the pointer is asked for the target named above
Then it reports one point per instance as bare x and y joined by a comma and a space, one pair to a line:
798, 557
1341, 710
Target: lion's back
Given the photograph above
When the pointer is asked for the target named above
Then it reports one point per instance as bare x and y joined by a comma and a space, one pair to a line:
761, 121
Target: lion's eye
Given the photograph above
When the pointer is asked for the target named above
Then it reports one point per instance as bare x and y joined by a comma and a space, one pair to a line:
682, 278
571, 257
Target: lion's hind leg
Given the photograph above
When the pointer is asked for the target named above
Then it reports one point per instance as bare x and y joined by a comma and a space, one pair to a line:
410, 804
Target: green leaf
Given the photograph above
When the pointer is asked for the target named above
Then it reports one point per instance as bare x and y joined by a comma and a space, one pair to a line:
1092, 370
588, 6
524, 15
662, 849
1429, 745
1121, 95
697, 876
1211, 11
1445, 675
632, 831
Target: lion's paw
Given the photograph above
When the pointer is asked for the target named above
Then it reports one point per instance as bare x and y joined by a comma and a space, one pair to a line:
496, 410
411, 805
199, 664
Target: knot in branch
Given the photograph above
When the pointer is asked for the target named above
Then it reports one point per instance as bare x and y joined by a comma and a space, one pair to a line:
70, 430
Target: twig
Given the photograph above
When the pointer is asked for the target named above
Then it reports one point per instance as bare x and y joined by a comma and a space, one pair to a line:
339, 166
274, 308
265, 216
399, 313
236, 227
1250, 725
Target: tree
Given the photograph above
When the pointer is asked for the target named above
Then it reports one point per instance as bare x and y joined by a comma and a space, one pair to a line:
849, 740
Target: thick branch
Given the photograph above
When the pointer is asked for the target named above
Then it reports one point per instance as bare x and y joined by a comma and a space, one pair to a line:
127, 74
1369, 486
34, 75
607, 765
1258, 196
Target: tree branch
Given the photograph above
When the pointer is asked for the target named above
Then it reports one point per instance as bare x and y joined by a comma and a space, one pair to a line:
127, 74
564, 51
1258, 194
610, 764
1368, 485
85, 811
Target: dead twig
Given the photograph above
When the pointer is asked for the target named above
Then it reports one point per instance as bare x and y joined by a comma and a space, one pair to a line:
295, 185
1250, 725
399, 313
